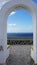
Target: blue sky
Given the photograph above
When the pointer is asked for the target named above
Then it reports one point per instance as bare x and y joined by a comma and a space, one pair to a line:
19, 21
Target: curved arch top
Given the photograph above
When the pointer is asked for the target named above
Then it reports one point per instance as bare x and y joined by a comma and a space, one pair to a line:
27, 4
17, 4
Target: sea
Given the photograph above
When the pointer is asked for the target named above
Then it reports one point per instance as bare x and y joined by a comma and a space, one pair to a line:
19, 35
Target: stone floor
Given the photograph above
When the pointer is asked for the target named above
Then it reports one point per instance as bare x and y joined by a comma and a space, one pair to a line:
19, 55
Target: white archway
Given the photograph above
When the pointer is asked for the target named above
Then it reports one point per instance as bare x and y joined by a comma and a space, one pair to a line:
4, 13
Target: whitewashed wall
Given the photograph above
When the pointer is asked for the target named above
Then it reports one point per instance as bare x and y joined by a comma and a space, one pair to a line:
4, 12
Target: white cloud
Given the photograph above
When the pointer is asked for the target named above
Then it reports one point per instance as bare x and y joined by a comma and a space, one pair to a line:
12, 24
11, 27
12, 13
9, 24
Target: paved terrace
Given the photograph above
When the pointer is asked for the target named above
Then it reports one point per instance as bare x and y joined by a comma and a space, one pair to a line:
19, 55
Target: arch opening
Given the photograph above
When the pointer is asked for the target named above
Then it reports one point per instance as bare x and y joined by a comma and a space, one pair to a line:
22, 24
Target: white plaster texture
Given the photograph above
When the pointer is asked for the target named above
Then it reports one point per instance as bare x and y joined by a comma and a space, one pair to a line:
7, 8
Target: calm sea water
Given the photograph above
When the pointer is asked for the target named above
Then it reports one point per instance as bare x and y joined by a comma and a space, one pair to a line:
20, 34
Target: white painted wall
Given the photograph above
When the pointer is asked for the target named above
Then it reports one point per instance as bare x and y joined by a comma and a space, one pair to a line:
4, 12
